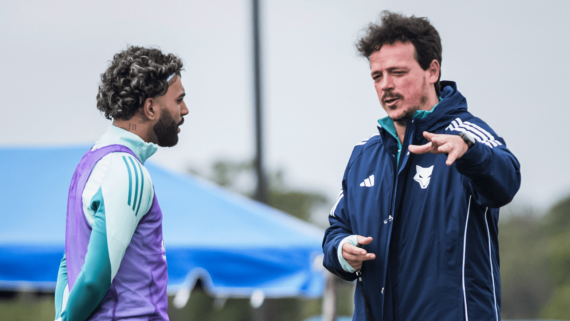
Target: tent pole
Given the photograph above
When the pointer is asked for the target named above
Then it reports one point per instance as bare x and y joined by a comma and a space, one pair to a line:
330, 298
261, 190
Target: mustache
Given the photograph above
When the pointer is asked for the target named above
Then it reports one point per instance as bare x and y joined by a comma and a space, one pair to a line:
181, 122
390, 95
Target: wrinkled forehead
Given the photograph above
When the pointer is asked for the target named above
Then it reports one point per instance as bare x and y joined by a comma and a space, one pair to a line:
395, 53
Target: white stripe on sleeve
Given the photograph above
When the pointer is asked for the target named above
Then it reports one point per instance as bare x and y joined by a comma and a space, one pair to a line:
340, 196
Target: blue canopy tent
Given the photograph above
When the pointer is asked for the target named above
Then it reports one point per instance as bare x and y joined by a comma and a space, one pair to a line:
236, 246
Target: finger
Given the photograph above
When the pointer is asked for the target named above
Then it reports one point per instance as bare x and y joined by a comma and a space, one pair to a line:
444, 149
451, 158
355, 265
369, 256
351, 257
349, 248
420, 149
363, 239
358, 258
440, 139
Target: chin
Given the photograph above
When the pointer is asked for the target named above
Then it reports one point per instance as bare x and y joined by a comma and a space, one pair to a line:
172, 141
402, 116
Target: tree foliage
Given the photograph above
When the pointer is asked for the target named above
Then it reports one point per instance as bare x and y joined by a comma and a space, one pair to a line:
525, 282
558, 226
535, 263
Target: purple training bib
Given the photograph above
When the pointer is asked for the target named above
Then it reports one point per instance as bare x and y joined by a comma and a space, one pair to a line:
138, 291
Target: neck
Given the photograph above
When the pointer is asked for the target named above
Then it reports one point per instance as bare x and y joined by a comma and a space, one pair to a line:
137, 126
401, 124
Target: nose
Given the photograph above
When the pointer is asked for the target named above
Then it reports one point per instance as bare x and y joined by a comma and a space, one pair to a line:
183, 109
387, 83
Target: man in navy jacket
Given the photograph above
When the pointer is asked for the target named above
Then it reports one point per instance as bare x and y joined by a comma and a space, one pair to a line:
421, 196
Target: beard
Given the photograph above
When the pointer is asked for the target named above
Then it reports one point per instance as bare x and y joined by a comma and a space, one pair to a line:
166, 130
410, 112
405, 116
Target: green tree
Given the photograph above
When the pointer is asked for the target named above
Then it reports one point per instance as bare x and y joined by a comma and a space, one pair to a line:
558, 223
525, 283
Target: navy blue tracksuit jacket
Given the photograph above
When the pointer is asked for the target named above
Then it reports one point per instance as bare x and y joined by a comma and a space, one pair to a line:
434, 226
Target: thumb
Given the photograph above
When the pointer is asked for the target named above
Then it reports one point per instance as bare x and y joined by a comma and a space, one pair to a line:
364, 240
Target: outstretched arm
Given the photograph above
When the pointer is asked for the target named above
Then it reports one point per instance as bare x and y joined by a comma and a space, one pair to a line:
493, 172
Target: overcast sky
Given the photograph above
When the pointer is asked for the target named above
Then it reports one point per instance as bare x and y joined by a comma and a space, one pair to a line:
510, 59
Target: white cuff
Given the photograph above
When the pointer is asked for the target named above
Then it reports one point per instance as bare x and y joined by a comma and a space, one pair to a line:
345, 266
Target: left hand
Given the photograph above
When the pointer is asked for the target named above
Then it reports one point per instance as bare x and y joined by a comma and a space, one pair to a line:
451, 145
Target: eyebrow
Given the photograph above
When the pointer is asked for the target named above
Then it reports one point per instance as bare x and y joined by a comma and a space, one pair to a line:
182, 95
397, 67
389, 70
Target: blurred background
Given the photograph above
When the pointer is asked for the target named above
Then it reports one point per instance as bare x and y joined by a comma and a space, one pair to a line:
509, 59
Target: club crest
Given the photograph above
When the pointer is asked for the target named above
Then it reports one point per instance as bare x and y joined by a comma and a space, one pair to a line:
423, 176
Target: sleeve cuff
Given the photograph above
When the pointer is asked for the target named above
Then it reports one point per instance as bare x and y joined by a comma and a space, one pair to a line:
472, 157
345, 266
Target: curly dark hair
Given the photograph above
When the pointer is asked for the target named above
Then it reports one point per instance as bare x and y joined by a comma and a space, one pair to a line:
394, 27
134, 75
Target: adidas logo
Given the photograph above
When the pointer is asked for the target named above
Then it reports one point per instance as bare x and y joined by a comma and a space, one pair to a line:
369, 182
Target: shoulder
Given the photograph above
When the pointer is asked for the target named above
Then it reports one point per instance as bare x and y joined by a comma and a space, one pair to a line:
127, 177
126, 165
482, 132
363, 146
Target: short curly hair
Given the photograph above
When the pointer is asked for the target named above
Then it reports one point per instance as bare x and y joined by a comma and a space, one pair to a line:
394, 27
134, 75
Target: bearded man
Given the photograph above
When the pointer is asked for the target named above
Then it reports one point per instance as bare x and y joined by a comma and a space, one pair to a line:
417, 218
114, 266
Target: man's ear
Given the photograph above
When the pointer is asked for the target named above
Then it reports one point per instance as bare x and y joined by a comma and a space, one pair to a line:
150, 109
433, 71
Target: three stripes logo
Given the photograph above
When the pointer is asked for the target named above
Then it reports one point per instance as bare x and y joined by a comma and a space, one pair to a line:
338, 198
369, 182
134, 169
480, 134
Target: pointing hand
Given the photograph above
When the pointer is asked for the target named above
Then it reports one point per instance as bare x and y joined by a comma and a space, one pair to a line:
451, 145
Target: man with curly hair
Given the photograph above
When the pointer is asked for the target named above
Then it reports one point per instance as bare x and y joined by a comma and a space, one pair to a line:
416, 221
114, 266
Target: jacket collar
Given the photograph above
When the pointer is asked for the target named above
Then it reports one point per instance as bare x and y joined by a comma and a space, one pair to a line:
118, 136
451, 104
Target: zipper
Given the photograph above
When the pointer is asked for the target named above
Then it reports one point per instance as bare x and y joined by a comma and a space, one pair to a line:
389, 237
409, 131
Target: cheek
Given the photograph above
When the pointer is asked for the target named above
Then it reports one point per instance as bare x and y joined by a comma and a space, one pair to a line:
410, 88
174, 111
406, 84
